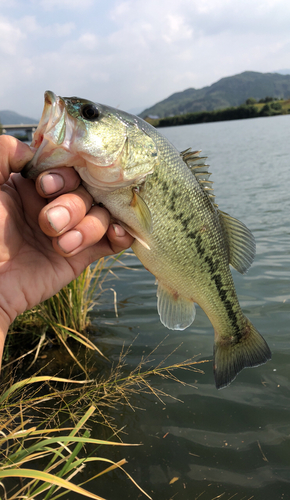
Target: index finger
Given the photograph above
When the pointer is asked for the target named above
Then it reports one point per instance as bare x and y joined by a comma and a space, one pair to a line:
14, 155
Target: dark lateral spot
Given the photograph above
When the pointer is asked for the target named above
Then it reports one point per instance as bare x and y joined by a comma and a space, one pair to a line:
183, 220
165, 187
185, 223
172, 207
179, 216
174, 195
198, 243
172, 201
192, 234
228, 306
213, 265
218, 281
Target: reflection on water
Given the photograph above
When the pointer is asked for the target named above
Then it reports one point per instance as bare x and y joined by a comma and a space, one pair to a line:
235, 441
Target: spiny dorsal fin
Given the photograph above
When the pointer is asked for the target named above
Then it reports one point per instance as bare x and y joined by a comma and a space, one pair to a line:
199, 169
241, 242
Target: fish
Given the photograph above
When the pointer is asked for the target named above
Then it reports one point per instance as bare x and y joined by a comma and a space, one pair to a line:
165, 200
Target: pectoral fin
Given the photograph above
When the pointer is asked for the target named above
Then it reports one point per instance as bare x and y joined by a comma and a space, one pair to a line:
241, 242
142, 212
134, 234
176, 312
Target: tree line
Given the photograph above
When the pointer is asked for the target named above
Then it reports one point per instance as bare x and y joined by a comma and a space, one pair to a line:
250, 109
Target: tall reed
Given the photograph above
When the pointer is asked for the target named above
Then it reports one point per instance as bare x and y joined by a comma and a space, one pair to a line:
63, 316
47, 420
24, 445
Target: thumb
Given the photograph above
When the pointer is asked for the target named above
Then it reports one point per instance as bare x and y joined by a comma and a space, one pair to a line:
14, 155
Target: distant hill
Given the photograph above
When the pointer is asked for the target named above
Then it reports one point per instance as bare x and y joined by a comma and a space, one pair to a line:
227, 92
11, 118
283, 71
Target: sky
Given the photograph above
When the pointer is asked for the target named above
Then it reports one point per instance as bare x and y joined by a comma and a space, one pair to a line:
133, 53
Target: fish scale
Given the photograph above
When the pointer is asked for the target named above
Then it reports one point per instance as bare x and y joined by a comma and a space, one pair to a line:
164, 199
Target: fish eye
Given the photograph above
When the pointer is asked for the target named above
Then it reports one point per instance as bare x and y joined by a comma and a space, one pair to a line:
90, 112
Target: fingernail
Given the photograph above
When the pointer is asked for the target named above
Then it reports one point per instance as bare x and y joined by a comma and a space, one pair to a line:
51, 183
119, 230
58, 218
70, 241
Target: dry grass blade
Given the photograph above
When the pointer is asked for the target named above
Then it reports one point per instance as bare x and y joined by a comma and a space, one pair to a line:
119, 464
28, 444
66, 314
37, 379
49, 478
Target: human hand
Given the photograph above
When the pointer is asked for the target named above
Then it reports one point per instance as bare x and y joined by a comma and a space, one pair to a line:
44, 246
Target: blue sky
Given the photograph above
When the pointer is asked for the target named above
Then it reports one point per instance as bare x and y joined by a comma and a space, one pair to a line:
133, 53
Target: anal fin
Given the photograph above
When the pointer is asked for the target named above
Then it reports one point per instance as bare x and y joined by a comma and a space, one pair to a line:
175, 311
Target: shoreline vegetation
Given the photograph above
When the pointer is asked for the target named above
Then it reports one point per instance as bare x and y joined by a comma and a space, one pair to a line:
48, 409
269, 106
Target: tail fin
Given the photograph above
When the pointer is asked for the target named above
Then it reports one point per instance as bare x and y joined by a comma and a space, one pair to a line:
231, 357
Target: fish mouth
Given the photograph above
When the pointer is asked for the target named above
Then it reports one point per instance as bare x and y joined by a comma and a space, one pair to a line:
52, 139
64, 138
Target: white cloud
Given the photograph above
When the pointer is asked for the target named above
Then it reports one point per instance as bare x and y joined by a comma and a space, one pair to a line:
65, 4
89, 41
31, 27
134, 53
177, 29
10, 37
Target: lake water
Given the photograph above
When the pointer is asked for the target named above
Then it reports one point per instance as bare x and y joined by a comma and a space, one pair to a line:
236, 441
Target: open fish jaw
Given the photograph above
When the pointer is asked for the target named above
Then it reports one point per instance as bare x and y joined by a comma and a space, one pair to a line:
53, 139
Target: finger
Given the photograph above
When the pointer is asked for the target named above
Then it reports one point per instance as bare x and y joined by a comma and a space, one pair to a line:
14, 155
65, 212
57, 181
119, 238
87, 233
82, 257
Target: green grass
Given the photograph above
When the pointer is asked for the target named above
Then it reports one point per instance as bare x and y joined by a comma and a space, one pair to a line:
63, 317
60, 449
46, 420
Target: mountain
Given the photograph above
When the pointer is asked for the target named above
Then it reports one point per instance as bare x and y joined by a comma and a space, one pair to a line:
283, 71
227, 92
11, 118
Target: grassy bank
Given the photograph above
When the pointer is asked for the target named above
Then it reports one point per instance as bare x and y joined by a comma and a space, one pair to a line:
45, 429
46, 417
271, 107
61, 319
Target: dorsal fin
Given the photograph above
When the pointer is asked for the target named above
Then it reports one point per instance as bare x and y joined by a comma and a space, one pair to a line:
199, 169
241, 242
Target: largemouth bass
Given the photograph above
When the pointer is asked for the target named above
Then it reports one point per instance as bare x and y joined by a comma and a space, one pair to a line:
164, 199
